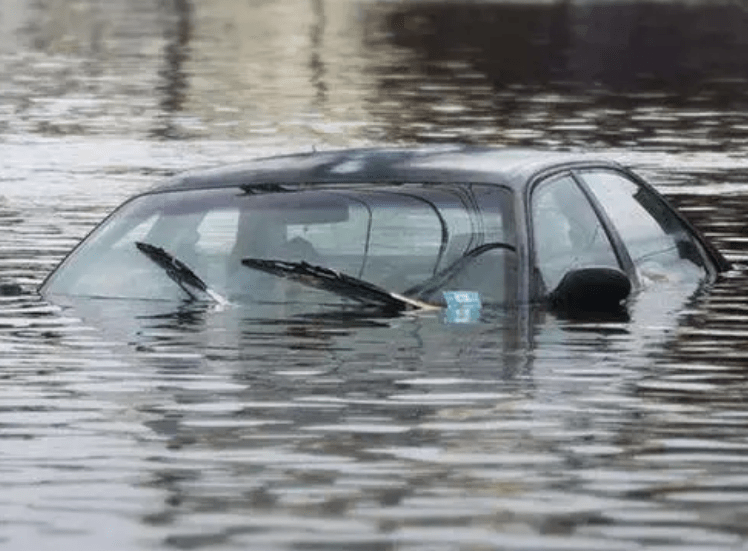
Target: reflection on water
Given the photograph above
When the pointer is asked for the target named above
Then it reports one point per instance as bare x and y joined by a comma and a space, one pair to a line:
174, 77
155, 426
607, 73
214, 427
604, 73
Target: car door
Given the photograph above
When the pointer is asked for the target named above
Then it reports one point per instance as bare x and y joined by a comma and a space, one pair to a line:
567, 233
659, 243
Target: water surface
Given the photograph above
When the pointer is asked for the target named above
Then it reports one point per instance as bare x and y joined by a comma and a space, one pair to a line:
168, 426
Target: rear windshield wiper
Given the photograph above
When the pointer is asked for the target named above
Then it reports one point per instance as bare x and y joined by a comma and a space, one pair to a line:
341, 284
179, 272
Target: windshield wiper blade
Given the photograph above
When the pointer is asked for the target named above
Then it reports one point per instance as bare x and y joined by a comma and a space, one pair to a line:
336, 282
179, 272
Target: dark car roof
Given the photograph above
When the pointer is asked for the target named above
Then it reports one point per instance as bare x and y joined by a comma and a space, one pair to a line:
445, 164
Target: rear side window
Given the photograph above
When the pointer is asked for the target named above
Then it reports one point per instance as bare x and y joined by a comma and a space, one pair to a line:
659, 244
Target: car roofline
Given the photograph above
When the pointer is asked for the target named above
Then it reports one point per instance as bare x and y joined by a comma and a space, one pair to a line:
509, 167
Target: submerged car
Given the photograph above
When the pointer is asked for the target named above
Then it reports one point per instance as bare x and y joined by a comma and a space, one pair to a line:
393, 229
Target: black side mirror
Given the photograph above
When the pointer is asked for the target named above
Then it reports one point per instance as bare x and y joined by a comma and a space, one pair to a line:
594, 289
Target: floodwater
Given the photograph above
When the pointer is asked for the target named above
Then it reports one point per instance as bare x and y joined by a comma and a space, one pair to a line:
154, 428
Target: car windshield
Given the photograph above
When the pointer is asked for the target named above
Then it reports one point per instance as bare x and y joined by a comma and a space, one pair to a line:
414, 239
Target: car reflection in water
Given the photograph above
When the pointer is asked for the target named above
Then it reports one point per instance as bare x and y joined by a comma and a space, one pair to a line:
452, 231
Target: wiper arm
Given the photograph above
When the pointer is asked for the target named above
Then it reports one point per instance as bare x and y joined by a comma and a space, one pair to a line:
341, 284
179, 272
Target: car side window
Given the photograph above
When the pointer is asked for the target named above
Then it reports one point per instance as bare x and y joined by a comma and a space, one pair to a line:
567, 232
660, 246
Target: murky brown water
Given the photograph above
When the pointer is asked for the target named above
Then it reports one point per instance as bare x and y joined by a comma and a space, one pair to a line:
142, 429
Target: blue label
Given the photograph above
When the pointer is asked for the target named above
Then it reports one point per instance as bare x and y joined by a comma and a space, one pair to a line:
462, 306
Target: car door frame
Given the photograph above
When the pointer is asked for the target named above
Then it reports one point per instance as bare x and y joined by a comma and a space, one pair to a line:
535, 290
714, 262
